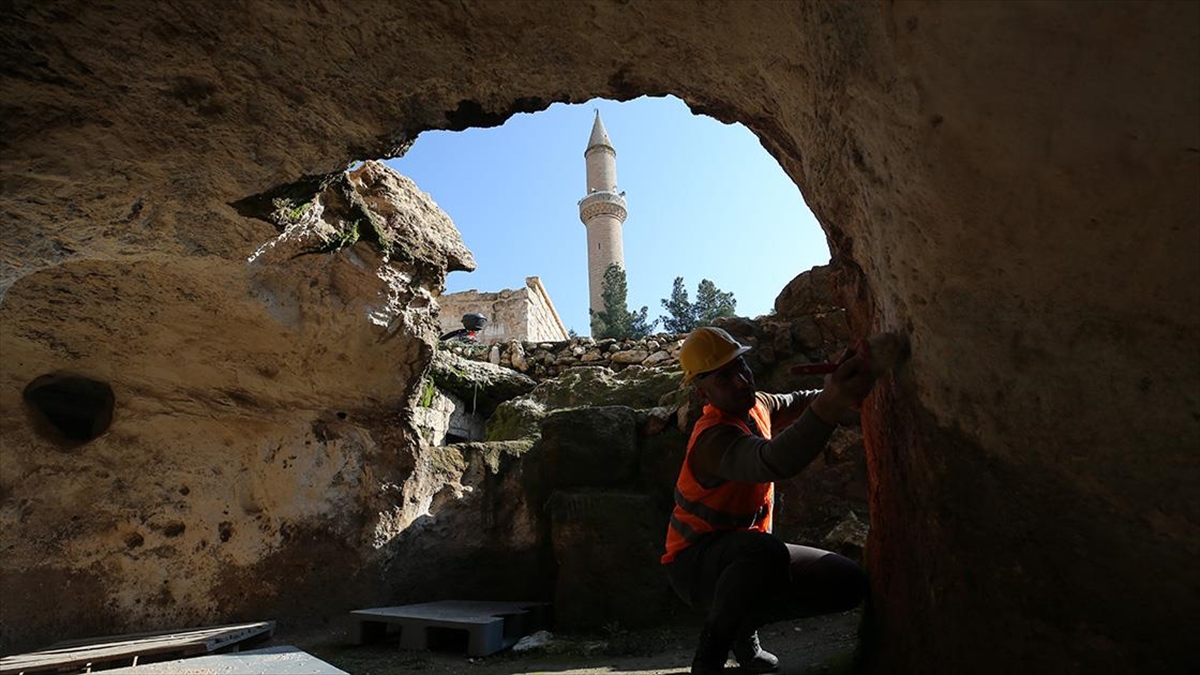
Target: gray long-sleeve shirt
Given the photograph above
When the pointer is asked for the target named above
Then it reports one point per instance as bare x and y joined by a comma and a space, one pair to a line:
752, 459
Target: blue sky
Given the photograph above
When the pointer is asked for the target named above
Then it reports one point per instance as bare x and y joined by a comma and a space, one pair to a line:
705, 201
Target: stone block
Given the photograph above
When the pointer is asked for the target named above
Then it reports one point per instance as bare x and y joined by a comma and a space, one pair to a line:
594, 447
607, 546
659, 459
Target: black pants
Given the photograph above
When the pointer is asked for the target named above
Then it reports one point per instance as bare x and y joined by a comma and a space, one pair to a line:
747, 578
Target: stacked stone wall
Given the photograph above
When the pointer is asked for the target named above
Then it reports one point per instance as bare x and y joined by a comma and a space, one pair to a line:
806, 338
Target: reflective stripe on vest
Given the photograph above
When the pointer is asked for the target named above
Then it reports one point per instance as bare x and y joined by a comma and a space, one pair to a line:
731, 505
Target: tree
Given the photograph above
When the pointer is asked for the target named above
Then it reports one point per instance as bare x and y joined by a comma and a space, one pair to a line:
615, 320
681, 314
711, 304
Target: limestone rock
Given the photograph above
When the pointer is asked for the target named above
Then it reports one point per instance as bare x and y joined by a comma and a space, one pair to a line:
589, 447
439, 416
518, 357
655, 358
250, 412
1027, 219
474, 517
607, 546
659, 459
516, 419
483, 386
597, 385
657, 419
75, 407
631, 356
811, 292
374, 204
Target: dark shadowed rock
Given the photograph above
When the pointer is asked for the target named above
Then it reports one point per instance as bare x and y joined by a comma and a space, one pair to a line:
607, 546
585, 447
78, 407
848, 537
659, 459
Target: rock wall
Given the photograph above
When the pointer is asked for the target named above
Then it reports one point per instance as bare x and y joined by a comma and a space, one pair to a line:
606, 447
254, 432
1013, 185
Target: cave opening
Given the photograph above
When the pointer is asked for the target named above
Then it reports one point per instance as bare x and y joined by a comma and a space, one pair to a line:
984, 169
515, 193
704, 200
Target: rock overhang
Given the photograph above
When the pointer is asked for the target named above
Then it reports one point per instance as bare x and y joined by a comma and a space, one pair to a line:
982, 195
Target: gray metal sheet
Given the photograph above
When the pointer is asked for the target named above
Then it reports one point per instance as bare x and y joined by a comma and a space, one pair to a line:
280, 660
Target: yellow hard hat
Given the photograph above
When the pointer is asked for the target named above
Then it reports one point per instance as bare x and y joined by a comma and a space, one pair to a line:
706, 349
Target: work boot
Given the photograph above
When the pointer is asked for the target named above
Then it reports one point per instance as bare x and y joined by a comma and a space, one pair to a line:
751, 657
711, 653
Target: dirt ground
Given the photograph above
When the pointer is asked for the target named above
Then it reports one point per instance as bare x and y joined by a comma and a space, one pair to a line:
819, 646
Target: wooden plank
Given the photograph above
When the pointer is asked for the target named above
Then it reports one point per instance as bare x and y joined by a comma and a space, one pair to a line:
122, 649
189, 633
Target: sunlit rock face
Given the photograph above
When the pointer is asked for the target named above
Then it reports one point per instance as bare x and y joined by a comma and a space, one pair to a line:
258, 437
1013, 185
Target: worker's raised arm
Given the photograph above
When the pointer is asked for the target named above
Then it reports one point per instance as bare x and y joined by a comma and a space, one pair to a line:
787, 408
725, 452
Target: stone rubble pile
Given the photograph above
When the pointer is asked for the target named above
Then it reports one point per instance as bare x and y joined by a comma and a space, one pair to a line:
545, 360
796, 339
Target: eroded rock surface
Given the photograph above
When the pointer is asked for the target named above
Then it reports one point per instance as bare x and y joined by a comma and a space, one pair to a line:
259, 425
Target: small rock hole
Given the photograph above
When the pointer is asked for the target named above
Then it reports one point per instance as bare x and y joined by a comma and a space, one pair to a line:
79, 408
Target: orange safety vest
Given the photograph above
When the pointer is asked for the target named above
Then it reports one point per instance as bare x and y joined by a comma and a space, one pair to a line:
732, 505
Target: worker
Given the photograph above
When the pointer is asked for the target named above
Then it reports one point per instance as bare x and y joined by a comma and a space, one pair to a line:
720, 553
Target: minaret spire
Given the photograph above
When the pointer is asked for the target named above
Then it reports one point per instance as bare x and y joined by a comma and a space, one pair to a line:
599, 135
602, 211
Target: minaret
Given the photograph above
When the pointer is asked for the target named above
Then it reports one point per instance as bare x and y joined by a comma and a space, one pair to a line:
602, 212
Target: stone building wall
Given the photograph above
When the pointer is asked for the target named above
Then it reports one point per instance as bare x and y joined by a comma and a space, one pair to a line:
525, 314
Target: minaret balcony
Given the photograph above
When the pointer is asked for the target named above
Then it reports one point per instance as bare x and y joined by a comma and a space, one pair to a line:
604, 202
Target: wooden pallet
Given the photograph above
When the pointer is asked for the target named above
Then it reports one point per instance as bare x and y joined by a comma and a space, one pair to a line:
479, 627
92, 654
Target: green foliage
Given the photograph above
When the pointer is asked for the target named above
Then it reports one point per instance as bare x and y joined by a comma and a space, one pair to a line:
711, 304
616, 321
681, 314
344, 239
428, 391
288, 212
359, 222
375, 229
